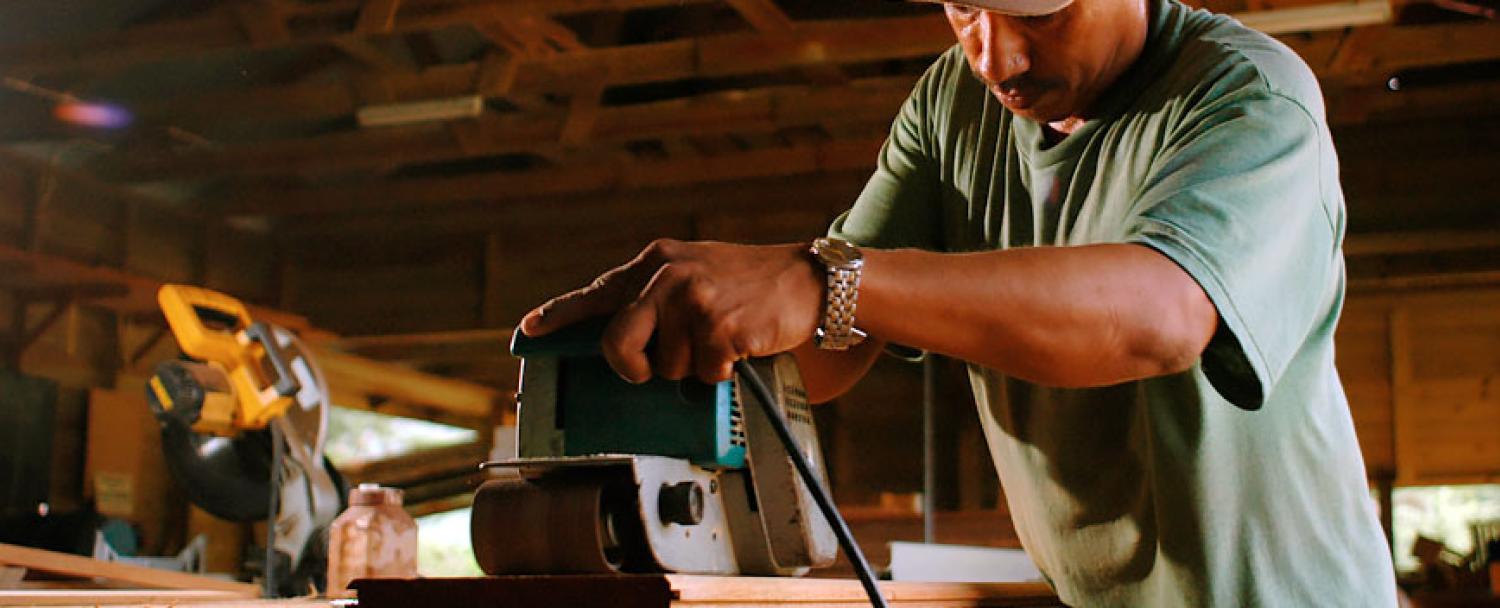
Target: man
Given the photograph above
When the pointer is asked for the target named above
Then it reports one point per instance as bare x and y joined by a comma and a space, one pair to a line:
1126, 216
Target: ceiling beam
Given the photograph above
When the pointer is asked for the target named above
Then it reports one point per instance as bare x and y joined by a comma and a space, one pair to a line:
1368, 51
1318, 17
830, 42
304, 24
1373, 54
768, 18
1409, 243
757, 110
519, 220
598, 178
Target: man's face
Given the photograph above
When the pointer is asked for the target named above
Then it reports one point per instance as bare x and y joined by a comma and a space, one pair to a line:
1051, 67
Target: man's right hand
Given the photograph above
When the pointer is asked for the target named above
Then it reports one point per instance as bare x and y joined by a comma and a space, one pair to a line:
707, 305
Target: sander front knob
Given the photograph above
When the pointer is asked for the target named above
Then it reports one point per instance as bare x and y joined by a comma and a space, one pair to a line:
680, 503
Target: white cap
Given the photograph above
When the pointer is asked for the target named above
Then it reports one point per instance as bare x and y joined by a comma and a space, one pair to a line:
1019, 8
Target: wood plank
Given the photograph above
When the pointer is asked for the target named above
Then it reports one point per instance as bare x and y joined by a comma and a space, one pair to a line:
74, 565
359, 375
143, 598
408, 469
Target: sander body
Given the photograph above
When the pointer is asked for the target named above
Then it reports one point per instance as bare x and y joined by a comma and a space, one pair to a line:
664, 476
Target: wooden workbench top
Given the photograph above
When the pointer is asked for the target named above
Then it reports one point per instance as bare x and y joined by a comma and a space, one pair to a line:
632, 591
683, 591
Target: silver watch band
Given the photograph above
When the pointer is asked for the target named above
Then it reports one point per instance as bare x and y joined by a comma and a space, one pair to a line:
837, 331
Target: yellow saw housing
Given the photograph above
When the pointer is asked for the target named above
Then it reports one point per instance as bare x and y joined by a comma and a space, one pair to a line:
217, 329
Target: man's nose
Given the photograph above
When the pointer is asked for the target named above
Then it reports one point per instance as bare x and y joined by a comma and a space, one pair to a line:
1002, 51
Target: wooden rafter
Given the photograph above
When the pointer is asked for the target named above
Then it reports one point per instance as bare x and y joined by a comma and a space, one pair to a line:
768, 18
377, 16
305, 24
756, 110
798, 160
833, 42
1376, 53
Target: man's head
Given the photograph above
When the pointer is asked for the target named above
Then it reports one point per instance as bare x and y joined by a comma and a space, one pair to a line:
1049, 60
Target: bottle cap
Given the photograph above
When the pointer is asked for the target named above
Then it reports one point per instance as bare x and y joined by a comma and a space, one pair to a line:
371, 494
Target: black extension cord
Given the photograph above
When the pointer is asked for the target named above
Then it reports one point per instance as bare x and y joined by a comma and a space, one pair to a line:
820, 494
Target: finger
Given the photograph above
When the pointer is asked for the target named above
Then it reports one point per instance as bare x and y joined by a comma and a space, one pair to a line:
565, 310
672, 353
605, 295
624, 343
714, 352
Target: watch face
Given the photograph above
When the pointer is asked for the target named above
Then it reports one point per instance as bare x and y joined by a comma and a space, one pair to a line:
835, 252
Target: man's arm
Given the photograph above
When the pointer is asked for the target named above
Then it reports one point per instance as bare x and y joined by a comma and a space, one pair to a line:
827, 374
1060, 316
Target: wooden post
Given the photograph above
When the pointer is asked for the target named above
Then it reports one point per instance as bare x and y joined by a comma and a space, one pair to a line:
13, 338
1385, 489
1407, 460
491, 306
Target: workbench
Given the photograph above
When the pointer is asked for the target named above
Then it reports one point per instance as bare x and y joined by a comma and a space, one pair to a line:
636, 591
685, 591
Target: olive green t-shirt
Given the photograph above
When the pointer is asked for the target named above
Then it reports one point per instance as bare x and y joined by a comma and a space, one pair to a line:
1238, 482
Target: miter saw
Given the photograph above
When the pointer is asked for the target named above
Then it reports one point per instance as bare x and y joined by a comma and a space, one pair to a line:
674, 476
242, 428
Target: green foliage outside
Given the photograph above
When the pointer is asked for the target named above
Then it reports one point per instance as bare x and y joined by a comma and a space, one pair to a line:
356, 436
443, 545
1442, 513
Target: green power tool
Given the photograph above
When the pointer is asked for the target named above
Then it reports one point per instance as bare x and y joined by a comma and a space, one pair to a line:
674, 476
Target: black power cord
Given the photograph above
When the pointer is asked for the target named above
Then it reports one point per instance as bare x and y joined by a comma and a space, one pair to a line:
820, 494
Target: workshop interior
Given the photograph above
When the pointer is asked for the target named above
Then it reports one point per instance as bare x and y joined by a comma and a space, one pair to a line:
262, 265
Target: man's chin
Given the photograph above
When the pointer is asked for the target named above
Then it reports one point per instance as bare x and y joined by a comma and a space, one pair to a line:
1040, 116
1042, 109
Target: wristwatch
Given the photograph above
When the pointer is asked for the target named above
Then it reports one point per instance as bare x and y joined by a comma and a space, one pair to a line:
844, 264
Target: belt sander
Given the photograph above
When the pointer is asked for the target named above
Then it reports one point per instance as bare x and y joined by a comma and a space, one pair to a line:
665, 476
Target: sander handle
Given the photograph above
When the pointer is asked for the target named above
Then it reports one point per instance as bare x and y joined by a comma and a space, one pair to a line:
819, 493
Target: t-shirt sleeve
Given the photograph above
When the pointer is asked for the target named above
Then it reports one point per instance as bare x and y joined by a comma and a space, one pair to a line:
899, 206
1239, 199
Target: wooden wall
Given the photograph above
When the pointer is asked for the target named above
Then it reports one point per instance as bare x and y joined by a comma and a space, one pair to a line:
1422, 372
58, 213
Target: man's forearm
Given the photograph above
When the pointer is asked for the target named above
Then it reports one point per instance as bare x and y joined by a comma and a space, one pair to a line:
1060, 316
828, 374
